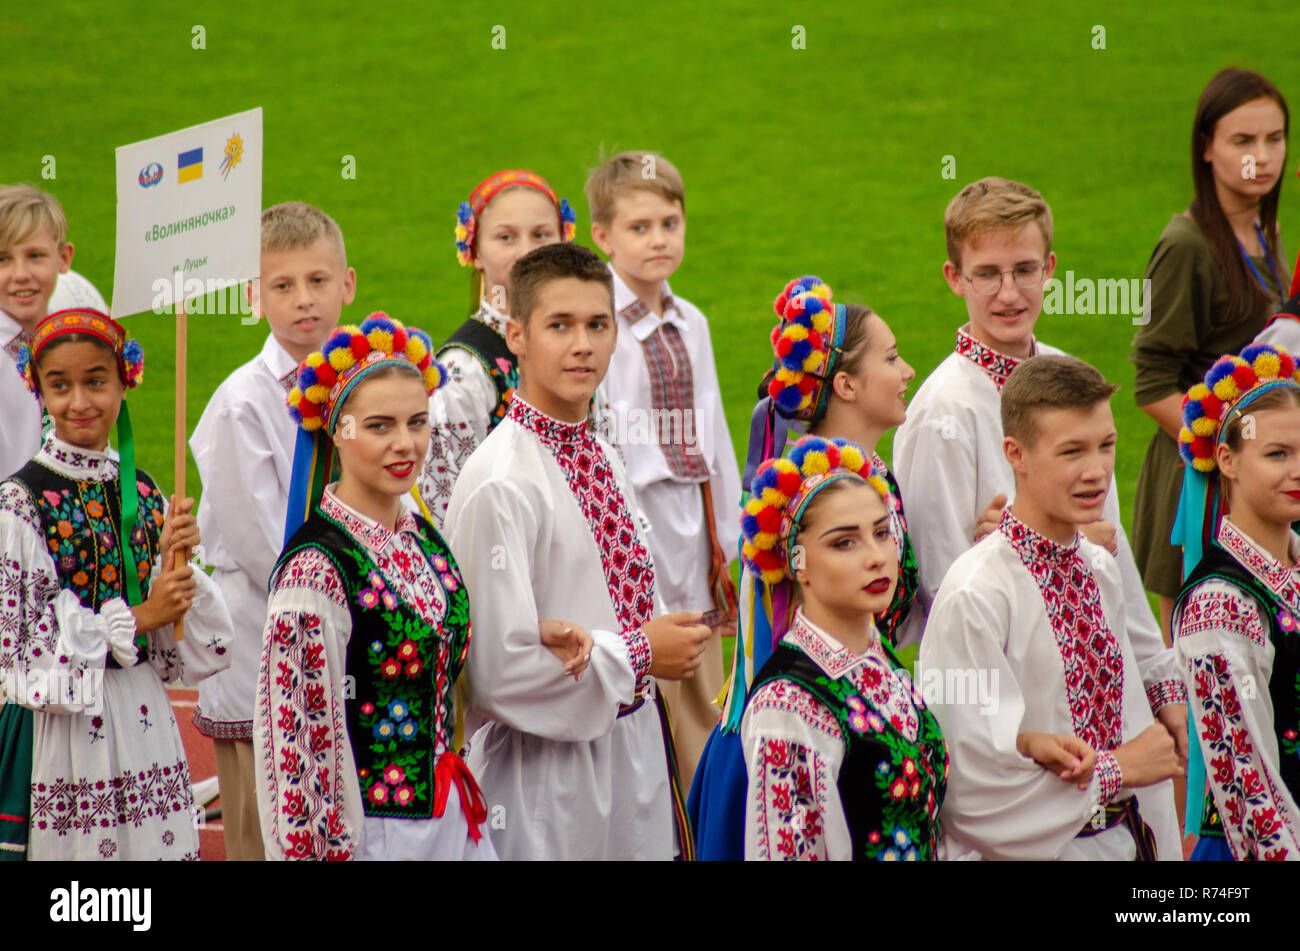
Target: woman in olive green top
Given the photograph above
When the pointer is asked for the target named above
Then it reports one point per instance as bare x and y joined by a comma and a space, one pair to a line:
1217, 274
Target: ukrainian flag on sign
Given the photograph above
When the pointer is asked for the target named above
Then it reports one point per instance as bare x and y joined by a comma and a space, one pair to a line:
189, 165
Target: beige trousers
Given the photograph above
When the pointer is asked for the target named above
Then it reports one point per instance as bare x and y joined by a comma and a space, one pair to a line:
239, 820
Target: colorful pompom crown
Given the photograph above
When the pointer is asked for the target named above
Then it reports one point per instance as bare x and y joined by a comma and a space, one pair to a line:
781, 491
806, 341
467, 215
349, 355
1231, 383
83, 320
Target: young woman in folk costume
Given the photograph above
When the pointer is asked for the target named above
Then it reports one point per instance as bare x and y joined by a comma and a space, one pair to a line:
837, 373
368, 624
842, 757
91, 761
1236, 621
508, 214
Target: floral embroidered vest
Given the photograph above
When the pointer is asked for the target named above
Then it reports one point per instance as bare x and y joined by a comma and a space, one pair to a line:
401, 671
80, 523
489, 348
1283, 684
890, 788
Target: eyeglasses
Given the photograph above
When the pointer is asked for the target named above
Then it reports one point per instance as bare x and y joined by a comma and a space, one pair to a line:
1027, 276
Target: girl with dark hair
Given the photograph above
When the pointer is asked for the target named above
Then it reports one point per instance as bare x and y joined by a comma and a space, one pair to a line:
837, 374
91, 762
1216, 275
843, 759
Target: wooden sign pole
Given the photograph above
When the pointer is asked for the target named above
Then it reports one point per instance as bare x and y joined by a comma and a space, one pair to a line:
178, 450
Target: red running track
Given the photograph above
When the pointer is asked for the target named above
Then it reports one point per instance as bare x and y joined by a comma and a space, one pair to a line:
203, 763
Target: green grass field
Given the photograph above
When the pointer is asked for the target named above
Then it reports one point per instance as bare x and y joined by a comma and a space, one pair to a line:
823, 160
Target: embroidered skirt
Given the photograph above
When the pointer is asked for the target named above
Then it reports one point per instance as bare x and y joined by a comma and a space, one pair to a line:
113, 783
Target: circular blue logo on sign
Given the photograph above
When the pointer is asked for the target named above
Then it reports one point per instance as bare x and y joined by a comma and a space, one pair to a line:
151, 174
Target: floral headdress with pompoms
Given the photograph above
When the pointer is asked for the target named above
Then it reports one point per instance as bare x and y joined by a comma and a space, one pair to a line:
327, 377
1230, 384
780, 494
808, 342
467, 215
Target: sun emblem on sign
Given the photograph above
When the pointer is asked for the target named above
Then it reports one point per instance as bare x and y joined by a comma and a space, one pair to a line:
234, 152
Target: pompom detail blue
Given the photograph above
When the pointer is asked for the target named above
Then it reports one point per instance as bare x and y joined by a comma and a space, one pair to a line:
1254, 350
336, 342
764, 480
377, 322
1222, 367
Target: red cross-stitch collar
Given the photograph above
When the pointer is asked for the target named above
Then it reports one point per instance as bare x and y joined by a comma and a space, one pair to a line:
547, 427
1031, 545
1277, 577
998, 366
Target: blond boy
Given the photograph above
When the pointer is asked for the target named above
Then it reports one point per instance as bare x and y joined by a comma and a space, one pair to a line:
243, 447
34, 251
663, 391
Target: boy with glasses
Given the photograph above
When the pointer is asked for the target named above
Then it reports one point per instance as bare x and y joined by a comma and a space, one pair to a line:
948, 455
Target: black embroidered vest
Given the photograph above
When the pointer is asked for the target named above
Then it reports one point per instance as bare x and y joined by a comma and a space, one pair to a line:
398, 697
80, 522
489, 348
1283, 684
909, 575
890, 788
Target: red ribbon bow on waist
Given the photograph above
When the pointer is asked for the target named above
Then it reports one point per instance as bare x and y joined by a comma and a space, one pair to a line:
451, 768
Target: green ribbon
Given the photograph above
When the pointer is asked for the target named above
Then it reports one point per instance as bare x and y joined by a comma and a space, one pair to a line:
130, 509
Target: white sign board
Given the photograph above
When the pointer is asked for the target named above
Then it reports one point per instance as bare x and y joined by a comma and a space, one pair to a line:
189, 213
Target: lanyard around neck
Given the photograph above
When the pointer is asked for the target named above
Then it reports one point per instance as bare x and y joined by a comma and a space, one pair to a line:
1271, 263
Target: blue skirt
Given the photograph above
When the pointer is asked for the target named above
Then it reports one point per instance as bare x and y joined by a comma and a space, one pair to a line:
1211, 848
717, 800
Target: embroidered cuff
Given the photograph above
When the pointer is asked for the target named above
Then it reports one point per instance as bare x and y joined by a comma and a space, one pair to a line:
638, 649
1109, 777
121, 631
1164, 692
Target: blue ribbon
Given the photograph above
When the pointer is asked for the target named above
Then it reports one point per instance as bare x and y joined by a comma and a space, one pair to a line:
1188, 532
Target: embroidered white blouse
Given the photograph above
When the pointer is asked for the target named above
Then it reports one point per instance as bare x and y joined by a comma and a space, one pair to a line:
1226, 658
